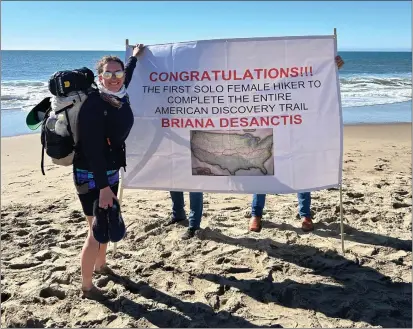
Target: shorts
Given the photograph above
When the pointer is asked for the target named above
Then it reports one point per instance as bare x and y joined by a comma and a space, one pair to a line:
86, 188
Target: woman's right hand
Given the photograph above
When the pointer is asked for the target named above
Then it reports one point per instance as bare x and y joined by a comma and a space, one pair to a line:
138, 50
106, 197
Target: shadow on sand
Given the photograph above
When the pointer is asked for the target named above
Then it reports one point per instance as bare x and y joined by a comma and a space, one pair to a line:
360, 294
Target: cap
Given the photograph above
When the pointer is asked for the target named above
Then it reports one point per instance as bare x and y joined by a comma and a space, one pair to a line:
108, 224
117, 229
100, 223
36, 115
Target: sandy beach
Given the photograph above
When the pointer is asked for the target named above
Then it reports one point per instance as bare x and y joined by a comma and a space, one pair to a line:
227, 276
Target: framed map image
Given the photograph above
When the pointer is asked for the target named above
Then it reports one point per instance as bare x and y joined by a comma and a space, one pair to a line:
246, 152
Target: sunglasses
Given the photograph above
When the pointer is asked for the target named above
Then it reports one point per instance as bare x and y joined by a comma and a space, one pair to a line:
108, 75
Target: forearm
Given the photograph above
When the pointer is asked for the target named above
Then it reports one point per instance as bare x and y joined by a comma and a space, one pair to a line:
129, 68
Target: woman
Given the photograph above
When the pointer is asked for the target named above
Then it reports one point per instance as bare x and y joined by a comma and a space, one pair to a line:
105, 121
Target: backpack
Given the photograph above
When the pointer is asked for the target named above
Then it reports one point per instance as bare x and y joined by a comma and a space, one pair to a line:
62, 83
59, 128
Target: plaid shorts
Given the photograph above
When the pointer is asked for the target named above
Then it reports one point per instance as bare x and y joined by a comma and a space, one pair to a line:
83, 177
87, 190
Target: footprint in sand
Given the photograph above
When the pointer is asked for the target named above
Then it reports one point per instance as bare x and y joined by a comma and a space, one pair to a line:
382, 183
220, 217
5, 296
42, 222
22, 232
68, 236
382, 164
23, 213
232, 208
166, 254
23, 244
379, 167
151, 227
102, 282
401, 192
43, 255
355, 195
398, 205
153, 214
52, 207
52, 291
247, 214
222, 260
61, 277
57, 268
207, 251
383, 160
49, 232
76, 217
356, 211
5, 236
228, 225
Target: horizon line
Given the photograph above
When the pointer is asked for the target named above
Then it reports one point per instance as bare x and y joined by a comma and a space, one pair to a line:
344, 49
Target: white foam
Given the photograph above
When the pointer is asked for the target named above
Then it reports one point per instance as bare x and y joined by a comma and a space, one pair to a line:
356, 90
364, 90
22, 94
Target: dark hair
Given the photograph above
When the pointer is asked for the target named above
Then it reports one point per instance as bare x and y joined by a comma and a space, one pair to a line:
106, 59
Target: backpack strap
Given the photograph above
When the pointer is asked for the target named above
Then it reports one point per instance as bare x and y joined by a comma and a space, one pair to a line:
42, 161
69, 128
67, 119
43, 138
64, 109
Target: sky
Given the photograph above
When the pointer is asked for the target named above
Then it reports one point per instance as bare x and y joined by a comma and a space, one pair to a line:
104, 25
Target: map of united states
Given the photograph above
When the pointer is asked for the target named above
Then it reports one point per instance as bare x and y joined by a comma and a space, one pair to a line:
230, 153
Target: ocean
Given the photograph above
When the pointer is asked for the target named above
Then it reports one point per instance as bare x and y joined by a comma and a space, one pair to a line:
376, 87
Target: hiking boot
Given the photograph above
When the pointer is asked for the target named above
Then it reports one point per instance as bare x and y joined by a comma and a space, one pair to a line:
116, 227
307, 224
255, 224
190, 233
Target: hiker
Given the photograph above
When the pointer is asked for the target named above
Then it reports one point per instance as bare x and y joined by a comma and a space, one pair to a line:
178, 212
105, 121
304, 199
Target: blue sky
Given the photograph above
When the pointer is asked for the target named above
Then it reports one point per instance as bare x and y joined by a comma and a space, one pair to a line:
95, 25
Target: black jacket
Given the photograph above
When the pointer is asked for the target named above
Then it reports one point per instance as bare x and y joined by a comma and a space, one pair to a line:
100, 122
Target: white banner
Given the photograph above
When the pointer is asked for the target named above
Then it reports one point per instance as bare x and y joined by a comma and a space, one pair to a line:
260, 115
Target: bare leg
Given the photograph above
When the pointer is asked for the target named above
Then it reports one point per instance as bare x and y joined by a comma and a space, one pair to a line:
90, 255
101, 258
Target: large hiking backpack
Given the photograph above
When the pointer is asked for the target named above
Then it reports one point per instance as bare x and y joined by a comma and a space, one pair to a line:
63, 83
59, 128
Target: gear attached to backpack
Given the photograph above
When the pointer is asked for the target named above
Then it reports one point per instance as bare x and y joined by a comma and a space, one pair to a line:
62, 83
58, 115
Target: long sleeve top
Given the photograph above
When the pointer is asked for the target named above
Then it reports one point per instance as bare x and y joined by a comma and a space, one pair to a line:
103, 129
